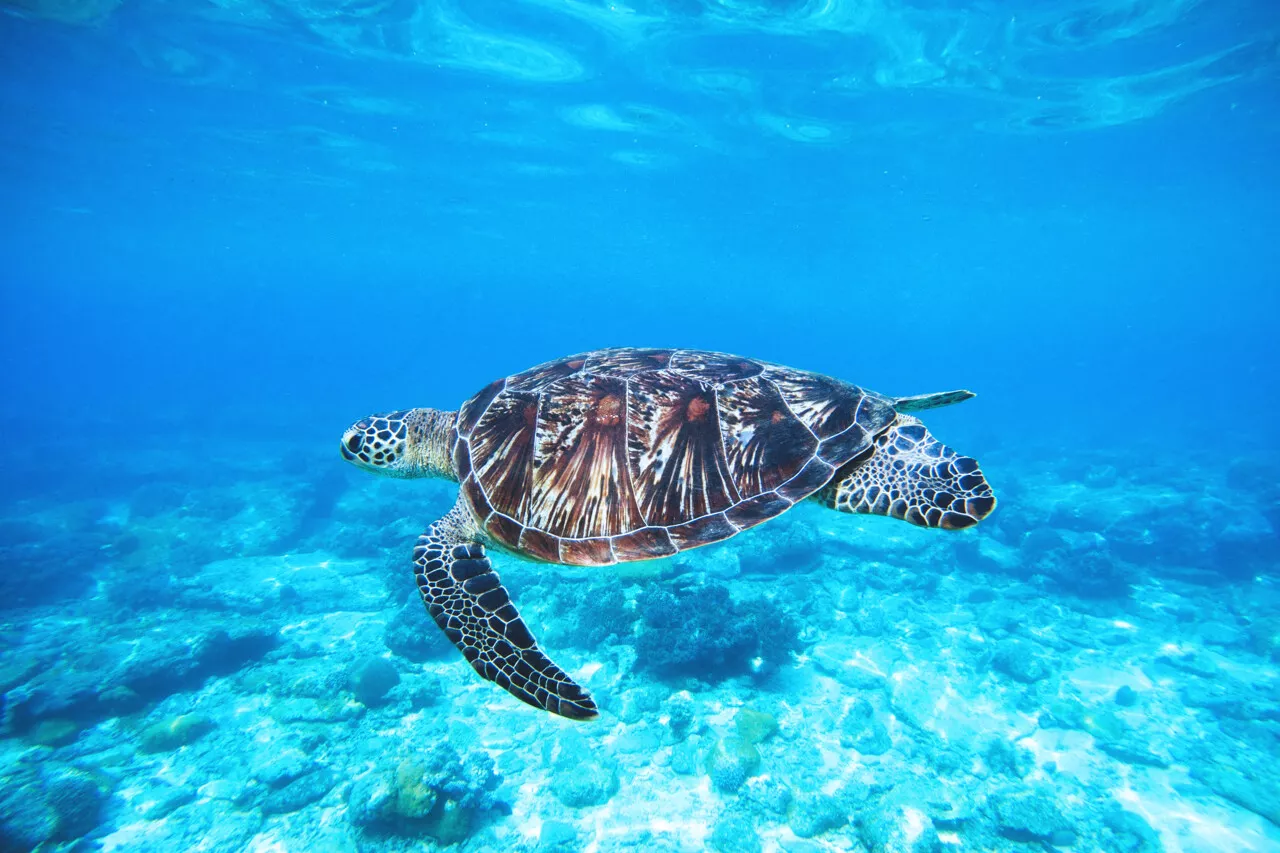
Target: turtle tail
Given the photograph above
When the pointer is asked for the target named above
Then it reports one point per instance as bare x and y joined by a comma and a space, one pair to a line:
909, 474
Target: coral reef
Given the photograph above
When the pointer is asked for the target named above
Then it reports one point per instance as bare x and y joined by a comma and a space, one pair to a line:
703, 630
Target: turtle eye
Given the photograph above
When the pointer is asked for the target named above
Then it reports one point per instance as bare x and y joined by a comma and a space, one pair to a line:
353, 443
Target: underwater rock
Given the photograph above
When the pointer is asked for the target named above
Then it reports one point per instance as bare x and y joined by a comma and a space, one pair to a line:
298, 794
424, 691
1257, 790
854, 664
768, 795
1009, 759
333, 710
436, 791
67, 695
159, 669
640, 702
814, 813
1188, 661
899, 829
152, 499
17, 670
981, 595
1129, 833
1222, 635
914, 702
159, 799
872, 621
65, 804
735, 832
641, 740
679, 709
989, 555
1018, 660
1040, 541
581, 775
275, 768
372, 799
1246, 543
730, 762
175, 732
684, 758
1129, 747
46, 565
1029, 815
371, 679
593, 783
412, 635
556, 836
862, 730
1101, 476
26, 818
754, 726
319, 582
324, 683
1093, 574
77, 797
53, 732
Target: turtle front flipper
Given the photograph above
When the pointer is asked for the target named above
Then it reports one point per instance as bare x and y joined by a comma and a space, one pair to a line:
465, 597
909, 474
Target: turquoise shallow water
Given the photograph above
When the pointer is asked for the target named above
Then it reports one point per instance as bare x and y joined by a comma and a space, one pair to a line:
232, 229
246, 666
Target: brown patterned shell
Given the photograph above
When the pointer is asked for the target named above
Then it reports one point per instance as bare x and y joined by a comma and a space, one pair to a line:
631, 454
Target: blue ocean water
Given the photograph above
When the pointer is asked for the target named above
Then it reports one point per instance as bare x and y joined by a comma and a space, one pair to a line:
230, 229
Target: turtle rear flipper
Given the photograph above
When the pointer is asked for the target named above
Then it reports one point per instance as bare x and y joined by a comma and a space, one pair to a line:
909, 474
465, 597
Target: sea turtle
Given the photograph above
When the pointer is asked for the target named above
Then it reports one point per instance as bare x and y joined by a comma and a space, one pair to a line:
632, 454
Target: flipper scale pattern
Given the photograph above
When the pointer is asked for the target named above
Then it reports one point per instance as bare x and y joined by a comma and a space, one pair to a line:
465, 597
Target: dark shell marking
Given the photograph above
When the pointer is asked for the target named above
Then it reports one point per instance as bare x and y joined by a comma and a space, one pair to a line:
631, 454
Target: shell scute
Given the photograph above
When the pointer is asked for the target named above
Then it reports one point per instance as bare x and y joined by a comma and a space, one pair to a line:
628, 362
586, 552
475, 496
581, 484
812, 477
841, 448
766, 444
714, 367
471, 410
674, 450
502, 451
505, 530
709, 528
540, 545
646, 543
826, 406
537, 378
752, 511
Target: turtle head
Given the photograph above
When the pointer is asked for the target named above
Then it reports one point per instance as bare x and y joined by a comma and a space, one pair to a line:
407, 443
